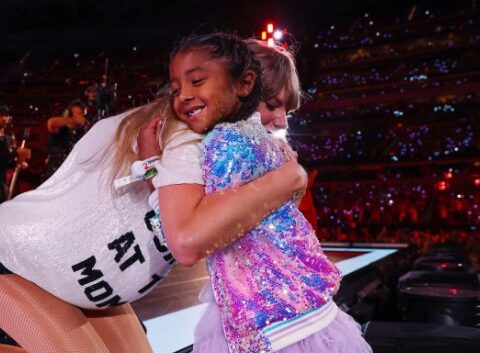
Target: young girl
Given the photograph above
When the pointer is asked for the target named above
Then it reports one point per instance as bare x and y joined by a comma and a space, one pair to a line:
273, 288
75, 245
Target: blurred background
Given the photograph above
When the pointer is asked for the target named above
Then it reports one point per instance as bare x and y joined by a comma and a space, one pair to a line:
389, 133
391, 125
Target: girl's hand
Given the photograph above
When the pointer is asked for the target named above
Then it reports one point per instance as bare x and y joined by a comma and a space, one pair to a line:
148, 139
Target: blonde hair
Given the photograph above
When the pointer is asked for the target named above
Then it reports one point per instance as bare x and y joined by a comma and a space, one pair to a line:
123, 142
278, 72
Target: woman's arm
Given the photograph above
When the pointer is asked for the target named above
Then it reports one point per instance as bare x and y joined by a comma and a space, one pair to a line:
196, 224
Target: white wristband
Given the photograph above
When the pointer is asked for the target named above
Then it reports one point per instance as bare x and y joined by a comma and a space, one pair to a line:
138, 170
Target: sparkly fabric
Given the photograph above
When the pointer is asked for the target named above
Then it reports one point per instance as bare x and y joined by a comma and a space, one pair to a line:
278, 270
342, 335
75, 239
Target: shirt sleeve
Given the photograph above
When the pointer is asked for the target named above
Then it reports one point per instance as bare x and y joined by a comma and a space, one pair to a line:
180, 163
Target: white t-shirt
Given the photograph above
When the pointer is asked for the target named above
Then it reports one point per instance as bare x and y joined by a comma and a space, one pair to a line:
72, 238
180, 161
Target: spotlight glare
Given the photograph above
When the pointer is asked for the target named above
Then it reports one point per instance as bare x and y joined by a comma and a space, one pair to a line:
270, 28
280, 134
270, 42
278, 34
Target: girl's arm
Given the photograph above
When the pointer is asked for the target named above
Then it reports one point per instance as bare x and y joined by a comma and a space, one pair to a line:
196, 224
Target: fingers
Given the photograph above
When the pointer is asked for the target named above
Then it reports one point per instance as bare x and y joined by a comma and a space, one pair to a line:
159, 129
288, 153
152, 128
291, 155
152, 125
148, 139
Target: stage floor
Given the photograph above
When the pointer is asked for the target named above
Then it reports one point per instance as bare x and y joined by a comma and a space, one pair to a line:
171, 311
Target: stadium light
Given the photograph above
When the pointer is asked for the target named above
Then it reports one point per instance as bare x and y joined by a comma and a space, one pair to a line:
278, 34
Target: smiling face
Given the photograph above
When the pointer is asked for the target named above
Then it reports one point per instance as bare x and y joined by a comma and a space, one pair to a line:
203, 91
274, 112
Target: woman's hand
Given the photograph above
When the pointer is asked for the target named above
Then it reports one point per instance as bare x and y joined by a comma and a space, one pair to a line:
297, 176
148, 139
288, 153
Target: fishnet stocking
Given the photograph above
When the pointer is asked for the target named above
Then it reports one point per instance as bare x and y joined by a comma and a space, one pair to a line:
120, 329
42, 323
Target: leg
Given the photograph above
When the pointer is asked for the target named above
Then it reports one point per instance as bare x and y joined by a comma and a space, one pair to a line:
120, 329
40, 322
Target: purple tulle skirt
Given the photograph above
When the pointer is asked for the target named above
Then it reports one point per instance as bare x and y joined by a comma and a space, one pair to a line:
341, 336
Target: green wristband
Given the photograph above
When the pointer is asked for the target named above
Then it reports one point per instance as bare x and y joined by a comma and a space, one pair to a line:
150, 173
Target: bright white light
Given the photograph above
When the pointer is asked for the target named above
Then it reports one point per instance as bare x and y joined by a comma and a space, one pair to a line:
281, 134
278, 34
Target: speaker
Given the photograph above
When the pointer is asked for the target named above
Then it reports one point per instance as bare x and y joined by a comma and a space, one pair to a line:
454, 279
441, 305
403, 337
451, 263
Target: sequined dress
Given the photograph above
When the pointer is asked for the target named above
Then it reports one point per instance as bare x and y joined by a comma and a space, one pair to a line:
77, 238
276, 276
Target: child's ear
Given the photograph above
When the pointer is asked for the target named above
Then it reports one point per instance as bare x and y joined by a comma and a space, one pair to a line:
246, 83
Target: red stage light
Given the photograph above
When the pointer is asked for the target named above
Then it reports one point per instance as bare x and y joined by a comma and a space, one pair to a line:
476, 182
448, 175
442, 185
453, 291
270, 28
